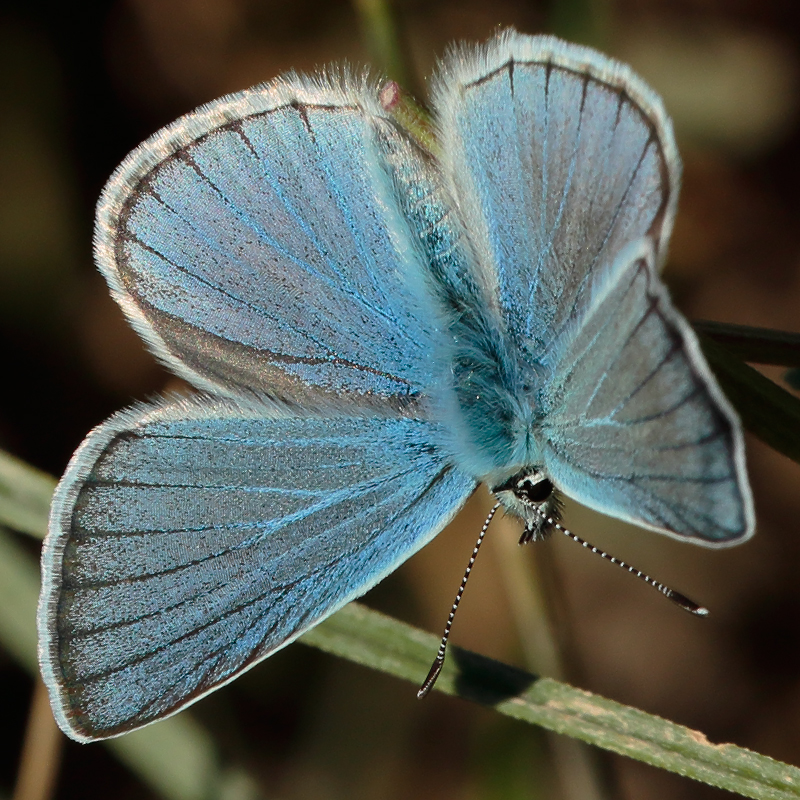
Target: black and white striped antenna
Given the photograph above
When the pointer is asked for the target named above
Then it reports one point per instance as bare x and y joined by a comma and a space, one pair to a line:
438, 662
679, 599
676, 597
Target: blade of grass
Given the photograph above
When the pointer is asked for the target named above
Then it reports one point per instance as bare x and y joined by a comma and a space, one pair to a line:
767, 410
25, 494
374, 640
757, 345
19, 593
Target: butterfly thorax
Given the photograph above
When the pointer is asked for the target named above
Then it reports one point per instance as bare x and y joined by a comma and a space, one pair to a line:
531, 496
494, 404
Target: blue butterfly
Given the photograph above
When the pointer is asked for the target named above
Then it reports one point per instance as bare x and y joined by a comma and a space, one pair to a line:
375, 330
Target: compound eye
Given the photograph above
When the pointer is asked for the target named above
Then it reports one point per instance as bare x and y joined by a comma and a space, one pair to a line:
536, 492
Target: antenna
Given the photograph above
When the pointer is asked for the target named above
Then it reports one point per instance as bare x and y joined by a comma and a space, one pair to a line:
438, 662
679, 599
676, 597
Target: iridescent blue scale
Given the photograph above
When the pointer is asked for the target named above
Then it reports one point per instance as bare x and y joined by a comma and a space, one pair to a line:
374, 330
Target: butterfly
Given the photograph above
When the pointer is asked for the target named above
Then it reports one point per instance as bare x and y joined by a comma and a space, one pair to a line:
374, 329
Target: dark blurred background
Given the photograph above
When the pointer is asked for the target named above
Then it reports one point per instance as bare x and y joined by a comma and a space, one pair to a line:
82, 84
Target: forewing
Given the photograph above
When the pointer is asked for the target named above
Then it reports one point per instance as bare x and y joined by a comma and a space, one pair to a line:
189, 541
257, 244
635, 424
565, 174
558, 157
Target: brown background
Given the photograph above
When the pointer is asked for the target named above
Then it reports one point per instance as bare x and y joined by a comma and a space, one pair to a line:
81, 85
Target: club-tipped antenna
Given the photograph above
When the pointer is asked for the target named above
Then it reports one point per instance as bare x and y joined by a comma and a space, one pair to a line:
438, 662
679, 599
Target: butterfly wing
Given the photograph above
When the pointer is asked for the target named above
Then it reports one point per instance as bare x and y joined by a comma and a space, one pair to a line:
565, 172
558, 157
257, 244
191, 540
636, 425
263, 248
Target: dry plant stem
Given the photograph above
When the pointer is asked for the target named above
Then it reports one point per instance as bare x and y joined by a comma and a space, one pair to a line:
579, 772
524, 589
41, 750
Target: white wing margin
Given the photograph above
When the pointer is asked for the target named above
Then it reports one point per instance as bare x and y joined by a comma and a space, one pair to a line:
257, 245
558, 157
190, 540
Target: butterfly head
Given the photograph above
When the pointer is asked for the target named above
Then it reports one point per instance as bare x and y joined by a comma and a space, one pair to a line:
531, 496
